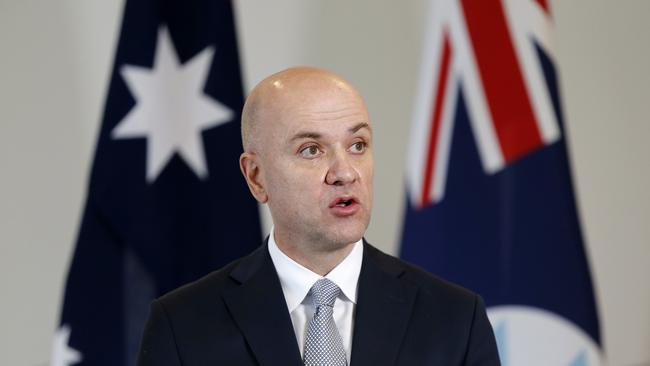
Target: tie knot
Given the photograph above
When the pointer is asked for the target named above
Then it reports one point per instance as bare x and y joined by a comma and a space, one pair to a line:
324, 292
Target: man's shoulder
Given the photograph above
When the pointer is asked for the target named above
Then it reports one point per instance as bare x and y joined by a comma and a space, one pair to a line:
416, 276
449, 319
207, 288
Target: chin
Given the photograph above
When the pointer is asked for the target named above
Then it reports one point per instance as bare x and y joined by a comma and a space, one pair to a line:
347, 234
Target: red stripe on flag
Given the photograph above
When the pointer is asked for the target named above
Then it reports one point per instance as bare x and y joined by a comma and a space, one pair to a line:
436, 116
544, 5
512, 113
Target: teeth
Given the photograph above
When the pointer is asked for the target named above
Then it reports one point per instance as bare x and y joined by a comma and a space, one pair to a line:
344, 203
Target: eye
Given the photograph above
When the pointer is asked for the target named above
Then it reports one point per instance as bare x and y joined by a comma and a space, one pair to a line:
310, 151
359, 147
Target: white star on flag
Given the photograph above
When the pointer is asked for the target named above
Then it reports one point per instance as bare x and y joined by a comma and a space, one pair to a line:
171, 108
62, 354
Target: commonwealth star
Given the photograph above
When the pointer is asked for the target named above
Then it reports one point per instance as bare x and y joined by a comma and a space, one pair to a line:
171, 109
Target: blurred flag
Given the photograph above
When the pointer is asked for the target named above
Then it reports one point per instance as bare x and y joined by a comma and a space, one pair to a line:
490, 201
166, 202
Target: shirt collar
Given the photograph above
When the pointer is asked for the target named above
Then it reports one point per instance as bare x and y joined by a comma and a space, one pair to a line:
296, 280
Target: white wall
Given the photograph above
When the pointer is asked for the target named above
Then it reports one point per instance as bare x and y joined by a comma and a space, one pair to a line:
604, 55
54, 64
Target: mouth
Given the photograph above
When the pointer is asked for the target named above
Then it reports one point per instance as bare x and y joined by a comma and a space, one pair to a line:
344, 202
344, 206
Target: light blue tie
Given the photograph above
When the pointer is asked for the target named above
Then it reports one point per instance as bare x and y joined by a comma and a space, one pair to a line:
323, 344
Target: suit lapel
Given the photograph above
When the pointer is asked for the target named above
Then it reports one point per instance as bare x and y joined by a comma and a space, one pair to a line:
259, 309
383, 310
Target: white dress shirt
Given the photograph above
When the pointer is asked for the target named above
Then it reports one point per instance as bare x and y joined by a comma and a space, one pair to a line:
297, 280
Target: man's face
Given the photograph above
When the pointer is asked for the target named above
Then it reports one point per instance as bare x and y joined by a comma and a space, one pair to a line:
317, 166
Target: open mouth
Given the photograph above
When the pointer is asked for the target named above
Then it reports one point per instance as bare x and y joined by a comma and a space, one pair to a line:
343, 202
345, 206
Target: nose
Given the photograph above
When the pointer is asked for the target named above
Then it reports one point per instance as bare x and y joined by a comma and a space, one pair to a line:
341, 170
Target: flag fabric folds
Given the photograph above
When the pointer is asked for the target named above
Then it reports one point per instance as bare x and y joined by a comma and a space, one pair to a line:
490, 203
166, 201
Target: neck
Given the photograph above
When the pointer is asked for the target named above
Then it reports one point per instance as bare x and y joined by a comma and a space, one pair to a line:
320, 258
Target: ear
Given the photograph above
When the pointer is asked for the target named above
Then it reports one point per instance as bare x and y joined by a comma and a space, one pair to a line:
250, 168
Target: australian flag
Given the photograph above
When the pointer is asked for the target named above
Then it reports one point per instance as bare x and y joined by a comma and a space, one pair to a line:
490, 203
166, 202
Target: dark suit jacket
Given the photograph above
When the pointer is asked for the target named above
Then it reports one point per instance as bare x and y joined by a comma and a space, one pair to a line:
238, 316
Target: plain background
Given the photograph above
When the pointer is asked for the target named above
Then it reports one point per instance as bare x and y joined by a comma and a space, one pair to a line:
55, 58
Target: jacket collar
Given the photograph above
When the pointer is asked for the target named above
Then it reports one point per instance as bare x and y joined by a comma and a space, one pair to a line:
384, 305
259, 309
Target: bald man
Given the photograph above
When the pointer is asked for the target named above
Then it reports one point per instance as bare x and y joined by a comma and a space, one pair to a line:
315, 293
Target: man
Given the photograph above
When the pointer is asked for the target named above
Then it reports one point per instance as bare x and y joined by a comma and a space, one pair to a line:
316, 293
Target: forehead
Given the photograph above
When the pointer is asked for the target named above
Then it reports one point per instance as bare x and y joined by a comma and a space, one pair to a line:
324, 108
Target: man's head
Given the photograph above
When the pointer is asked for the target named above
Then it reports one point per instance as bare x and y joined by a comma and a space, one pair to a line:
308, 154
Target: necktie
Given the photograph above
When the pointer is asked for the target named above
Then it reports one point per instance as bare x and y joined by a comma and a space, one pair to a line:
323, 344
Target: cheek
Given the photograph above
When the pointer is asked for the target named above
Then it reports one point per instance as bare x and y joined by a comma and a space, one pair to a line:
295, 185
366, 171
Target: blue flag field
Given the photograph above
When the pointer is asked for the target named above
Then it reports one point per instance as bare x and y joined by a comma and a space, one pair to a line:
490, 203
166, 202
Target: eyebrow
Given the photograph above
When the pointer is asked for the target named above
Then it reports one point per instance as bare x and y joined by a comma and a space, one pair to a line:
316, 135
359, 126
307, 135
